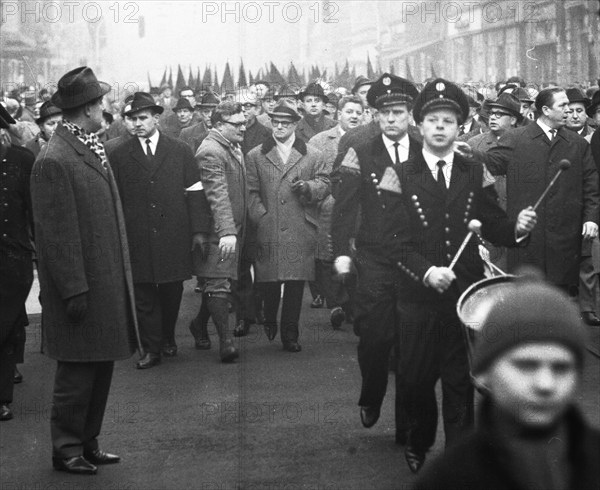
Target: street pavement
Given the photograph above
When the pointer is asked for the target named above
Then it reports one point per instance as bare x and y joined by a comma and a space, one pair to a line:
273, 420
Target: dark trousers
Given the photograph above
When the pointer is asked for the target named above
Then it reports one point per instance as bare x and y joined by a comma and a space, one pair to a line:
375, 324
157, 307
432, 346
290, 310
78, 404
335, 292
247, 297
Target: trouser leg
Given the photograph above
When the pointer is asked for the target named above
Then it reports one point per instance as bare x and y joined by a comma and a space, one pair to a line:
290, 310
170, 294
147, 305
97, 406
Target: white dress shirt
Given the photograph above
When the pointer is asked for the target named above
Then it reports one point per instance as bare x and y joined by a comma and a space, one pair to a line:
153, 142
432, 161
404, 143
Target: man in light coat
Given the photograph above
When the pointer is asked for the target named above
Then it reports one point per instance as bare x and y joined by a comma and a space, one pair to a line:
88, 316
287, 179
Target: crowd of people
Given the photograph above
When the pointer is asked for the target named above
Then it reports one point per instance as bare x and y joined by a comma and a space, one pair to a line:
380, 196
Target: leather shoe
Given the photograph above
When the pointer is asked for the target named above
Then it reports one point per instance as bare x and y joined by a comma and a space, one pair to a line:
100, 457
270, 329
78, 465
5, 412
148, 361
317, 302
228, 352
414, 458
292, 347
169, 350
17, 377
336, 317
369, 416
590, 318
241, 329
200, 342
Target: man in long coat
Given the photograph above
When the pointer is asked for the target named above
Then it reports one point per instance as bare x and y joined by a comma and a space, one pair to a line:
529, 156
286, 179
153, 172
223, 175
88, 315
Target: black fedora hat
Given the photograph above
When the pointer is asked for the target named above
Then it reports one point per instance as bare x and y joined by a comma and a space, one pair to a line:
508, 102
360, 81
315, 90
576, 95
208, 101
47, 110
142, 101
5, 118
591, 110
285, 109
183, 103
78, 87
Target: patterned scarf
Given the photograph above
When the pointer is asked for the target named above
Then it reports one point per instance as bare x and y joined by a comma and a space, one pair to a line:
90, 140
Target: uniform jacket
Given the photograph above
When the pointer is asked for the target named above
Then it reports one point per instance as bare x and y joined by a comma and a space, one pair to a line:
306, 131
358, 200
529, 161
223, 174
595, 145
194, 135
286, 223
425, 228
36, 144
82, 248
481, 460
161, 217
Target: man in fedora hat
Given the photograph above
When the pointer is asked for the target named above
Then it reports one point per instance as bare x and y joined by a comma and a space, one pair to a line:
429, 201
153, 171
194, 135
577, 121
50, 116
16, 265
361, 88
593, 111
313, 100
358, 200
182, 118
88, 318
287, 180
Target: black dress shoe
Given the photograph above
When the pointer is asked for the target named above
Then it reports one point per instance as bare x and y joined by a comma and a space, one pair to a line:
270, 329
337, 317
228, 352
148, 361
5, 412
17, 377
100, 457
292, 347
241, 329
414, 458
317, 302
590, 318
369, 416
169, 350
78, 465
201, 339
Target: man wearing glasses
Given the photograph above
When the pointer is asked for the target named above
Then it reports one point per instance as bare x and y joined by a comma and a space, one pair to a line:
223, 175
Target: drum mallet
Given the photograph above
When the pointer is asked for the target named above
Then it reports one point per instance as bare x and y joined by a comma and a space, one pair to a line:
564, 164
474, 227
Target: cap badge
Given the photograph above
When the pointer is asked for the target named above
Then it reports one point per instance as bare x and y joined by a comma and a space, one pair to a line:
440, 87
387, 81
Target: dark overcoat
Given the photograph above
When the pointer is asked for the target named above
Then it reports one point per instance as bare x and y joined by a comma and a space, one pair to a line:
286, 223
160, 215
193, 136
82, 248
529, 160
223, 175
306, 131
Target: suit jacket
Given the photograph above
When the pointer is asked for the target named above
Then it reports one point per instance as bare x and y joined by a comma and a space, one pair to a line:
223, 174
161, 217
424, 227
358, 208
286, 222
193, 136
82, 248
529, 160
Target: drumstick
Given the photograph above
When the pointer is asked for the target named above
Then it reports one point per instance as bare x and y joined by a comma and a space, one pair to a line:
564, 164
474, 227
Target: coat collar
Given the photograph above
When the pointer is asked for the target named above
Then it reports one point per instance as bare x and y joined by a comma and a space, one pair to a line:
214, 135
269, 149
299, 145
88, 156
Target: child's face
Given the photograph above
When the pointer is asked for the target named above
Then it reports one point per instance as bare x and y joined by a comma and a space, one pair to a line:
533, 383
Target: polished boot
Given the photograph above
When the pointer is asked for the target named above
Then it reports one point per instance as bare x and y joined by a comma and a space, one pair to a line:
241, 329
369, 416
5, 412
337, 317
78, 465
100, 457
199, 326
148, 361
219, 310
169, 349
414, 458
17, 377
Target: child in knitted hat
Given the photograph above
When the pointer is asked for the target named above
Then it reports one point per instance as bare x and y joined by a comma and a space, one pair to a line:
527, 360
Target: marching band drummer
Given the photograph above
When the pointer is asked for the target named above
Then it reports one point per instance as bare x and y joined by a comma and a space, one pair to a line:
430, 199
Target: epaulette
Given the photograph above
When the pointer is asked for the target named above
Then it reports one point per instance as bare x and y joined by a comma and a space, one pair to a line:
390, 181
350, 162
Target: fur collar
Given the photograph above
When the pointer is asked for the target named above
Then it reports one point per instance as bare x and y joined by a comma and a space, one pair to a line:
269, 144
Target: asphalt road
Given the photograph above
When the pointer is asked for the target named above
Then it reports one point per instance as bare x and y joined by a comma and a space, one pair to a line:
274, 420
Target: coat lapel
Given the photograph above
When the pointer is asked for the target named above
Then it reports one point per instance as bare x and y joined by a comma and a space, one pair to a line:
138, 155
380, 155
459, 179
89, 157
273, 156
417, 173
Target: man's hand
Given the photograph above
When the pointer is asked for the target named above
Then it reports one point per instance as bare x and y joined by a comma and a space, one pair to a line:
526, 221
301, 188
352, 246
590, 230
200, 240
463, 149
77, 307
227, 246
440, 278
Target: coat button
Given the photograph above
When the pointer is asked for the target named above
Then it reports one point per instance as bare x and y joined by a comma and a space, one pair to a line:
447, 230
420, 210
447, 216
152, 205
283, 201
152, 182
448, 243
154, 230
414, 197
425, 224
373, 175
449, 257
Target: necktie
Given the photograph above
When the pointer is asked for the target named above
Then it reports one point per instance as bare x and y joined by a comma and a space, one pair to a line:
149, 154
552, 134
397, 155
441, 179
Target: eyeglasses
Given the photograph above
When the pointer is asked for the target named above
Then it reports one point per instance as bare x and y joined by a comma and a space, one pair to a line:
237, 125
498, 114
284, 124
